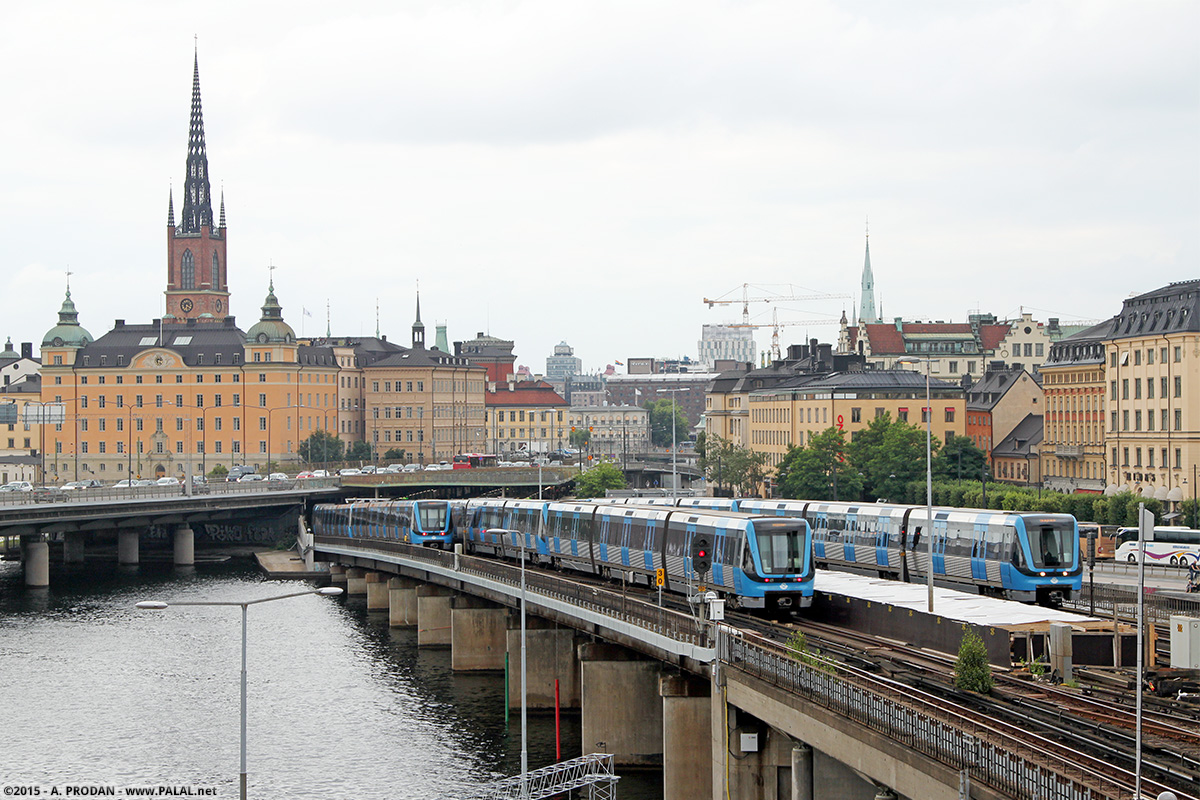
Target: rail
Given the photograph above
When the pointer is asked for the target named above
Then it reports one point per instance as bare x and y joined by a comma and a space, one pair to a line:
1005, 758
631, 610
1122, 600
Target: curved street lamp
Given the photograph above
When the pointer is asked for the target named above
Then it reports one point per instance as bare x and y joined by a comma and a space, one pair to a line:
157, 605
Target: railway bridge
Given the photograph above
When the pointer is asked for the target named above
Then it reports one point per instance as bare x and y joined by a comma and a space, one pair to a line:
724, 712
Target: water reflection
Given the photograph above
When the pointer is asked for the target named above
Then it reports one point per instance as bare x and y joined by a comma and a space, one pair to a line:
339, 703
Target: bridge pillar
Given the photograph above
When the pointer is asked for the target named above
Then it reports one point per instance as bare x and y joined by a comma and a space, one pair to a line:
549, 657
127, 547
337, 574
754, 758
377, 591
433, 616
185, 546
356, 580
687, 731
402, 602
802, 772
35, 555
73, 547
477, 635
622, 711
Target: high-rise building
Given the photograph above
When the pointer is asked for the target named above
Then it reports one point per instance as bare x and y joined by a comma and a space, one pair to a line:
725, 343
563, 364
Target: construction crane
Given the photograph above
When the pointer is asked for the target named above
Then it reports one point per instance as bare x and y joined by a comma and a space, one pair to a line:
775, 325
768, 297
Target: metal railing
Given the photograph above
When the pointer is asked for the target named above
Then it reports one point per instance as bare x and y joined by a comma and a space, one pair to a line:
55, 495
662, 621
1124, 599
1008, 759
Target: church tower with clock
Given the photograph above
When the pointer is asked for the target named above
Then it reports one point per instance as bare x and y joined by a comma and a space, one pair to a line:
197, 271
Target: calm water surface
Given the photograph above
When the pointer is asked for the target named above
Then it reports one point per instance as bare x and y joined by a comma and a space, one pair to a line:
93, 690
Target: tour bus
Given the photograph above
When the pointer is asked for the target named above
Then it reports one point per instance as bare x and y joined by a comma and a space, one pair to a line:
1172, 545
474, 460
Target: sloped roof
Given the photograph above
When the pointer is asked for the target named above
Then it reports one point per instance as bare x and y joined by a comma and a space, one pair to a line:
1022, 439
885, 339
1175, 308
524, 394
422, 357
991, 388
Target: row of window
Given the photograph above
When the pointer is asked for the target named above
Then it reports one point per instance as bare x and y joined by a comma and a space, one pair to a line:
83, 379
235, 446
1054, 378
1137, 455
1137, 420
407, 385
1137, 388
519, 416
1137, 356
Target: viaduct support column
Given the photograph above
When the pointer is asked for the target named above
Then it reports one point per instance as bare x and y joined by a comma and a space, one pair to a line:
549, 657
356, 580
802, 772
477, 635
35, 554
433, 616
127, 547
73, 547
402, 602
687, 732
337, 574
185, 546
622, 710
377, 591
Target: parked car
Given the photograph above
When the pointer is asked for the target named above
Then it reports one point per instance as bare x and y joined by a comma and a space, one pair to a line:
305, 474
73, 486
278, 477
143, 482
167, 480
250, 477
17, 486
125, 484
369, 469
349, 471
320, 473
199, 480
412, 468
238, 470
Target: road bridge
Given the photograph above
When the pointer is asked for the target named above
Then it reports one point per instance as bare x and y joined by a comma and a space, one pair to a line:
723, 712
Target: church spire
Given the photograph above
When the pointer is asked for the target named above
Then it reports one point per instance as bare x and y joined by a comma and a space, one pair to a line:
222, 223
866, 308
197, 200
171, 207
418, 328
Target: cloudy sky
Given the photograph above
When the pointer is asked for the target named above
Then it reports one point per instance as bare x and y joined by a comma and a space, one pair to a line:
590, 171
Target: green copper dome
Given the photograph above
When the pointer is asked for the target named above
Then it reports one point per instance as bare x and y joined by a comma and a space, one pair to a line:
68, 332
9, 355
271, 327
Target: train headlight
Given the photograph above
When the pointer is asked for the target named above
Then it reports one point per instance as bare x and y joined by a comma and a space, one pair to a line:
1065, 572
1042, 574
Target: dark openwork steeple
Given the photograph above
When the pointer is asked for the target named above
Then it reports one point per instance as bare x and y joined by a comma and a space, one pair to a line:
197, 198
418, 328
171, 207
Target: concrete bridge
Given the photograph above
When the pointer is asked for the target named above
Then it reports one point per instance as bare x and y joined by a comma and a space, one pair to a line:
722, 711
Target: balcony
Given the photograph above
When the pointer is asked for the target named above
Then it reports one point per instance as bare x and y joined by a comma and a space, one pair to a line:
1069, 450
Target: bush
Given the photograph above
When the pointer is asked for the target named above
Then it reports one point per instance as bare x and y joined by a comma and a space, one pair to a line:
972, 672
218, 472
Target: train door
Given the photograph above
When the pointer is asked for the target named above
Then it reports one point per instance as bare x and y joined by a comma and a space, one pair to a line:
720, 537
940, 530
626, 536
882, 524
979, 552
820, 529
849, 535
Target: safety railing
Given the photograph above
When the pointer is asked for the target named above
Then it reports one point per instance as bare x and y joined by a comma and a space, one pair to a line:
1007, 759
57, 495
1123, 599
616, 605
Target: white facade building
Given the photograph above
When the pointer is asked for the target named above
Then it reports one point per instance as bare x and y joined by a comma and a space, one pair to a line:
718, 342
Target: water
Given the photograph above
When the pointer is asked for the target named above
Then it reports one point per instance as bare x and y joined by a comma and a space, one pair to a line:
97, 691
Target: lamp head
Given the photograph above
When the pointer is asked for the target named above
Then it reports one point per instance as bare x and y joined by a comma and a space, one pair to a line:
152, 605
329, 591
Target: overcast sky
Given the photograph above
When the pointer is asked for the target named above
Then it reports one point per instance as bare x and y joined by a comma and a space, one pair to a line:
590, 171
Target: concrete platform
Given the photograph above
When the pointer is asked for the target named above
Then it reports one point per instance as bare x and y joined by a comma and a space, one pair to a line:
286, 564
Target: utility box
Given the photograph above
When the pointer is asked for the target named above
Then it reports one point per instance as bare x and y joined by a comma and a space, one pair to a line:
1185, 642
749, 742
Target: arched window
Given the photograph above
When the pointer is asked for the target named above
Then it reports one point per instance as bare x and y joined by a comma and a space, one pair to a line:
216, 273
188, 278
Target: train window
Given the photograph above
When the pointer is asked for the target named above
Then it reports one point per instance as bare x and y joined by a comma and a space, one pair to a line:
781, 549
1049, 546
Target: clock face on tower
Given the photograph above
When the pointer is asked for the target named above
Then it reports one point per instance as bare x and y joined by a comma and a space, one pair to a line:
220, 305
186, 304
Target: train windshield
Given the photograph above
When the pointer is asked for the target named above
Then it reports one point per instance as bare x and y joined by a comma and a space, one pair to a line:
432, 515
1051, 542
781, 549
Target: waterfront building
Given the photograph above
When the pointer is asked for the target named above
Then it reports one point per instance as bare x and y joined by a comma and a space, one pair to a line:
791, 412
1073, 380
1153, 373
613, 431
999, 402
526, 416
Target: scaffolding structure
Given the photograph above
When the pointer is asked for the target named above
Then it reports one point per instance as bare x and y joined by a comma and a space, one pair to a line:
593, 773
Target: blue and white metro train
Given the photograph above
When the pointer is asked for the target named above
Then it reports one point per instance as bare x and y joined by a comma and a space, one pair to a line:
758, 561
426, 523
1025, 557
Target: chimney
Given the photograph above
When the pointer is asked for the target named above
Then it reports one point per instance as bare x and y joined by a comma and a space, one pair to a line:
27, 350
899, 324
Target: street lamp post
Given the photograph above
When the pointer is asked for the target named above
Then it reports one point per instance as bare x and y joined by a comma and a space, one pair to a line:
157, 605
674, 448
928, 468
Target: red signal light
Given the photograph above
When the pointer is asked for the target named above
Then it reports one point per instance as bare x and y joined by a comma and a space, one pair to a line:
702, 554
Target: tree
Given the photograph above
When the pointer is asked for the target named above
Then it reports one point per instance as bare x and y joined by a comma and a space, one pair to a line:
360, 451
660, 423
701, 440
218, 472
733, 465
394, 454
891, 455
808, 472
580, 437
596, 481
322, 447
957, 457
972, 672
